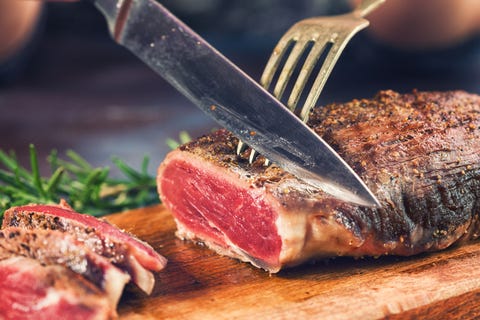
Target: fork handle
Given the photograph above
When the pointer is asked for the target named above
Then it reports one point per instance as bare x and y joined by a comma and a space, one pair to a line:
367, 6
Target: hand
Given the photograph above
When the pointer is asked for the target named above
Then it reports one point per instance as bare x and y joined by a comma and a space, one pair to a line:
17, 21
413, 24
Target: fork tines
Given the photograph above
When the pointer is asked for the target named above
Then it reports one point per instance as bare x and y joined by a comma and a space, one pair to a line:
307, 45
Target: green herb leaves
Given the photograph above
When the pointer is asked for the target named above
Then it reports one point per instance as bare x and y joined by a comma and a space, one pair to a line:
183, 137
86, 188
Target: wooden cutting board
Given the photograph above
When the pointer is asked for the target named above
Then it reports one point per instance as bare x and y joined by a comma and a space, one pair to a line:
199, 284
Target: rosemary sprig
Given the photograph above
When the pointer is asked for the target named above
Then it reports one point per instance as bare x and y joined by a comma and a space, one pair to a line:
86, 188
183, 137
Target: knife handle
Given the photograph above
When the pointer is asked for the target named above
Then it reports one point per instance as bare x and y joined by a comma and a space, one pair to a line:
115, 12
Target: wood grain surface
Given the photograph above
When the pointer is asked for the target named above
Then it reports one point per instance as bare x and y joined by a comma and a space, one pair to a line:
199, 284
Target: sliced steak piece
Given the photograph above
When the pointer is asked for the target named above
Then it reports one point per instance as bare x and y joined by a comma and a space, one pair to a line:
122, 249
52, 247
419, 153
31, 290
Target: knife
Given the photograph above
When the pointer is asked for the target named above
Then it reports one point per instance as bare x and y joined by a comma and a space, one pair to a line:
229, 96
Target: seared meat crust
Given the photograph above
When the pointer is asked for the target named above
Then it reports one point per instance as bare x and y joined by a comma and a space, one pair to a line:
419, 153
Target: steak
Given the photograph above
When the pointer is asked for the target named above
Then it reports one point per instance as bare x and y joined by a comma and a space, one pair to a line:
50, 247
419, 153
123, 250
31, 290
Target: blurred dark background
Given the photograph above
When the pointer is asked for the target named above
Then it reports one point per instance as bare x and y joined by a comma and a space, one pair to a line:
72, 87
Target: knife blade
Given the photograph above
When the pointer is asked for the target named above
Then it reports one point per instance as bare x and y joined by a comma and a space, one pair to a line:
230, 97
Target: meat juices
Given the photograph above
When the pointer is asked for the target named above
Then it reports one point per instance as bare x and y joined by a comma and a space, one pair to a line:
419, 153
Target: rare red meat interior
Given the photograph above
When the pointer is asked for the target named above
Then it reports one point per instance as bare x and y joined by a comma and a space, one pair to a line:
57, 263
32, 290
124, 250
419, 153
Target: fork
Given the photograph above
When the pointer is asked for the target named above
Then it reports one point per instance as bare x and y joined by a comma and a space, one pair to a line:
323, 36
